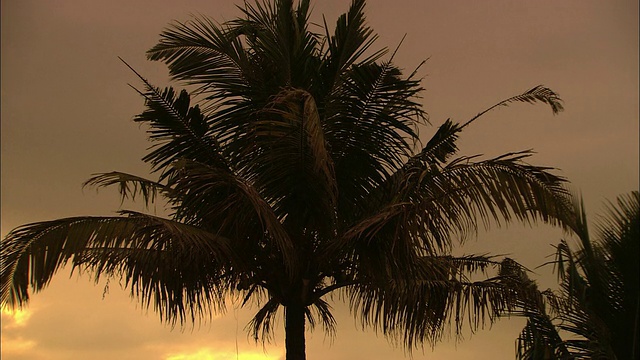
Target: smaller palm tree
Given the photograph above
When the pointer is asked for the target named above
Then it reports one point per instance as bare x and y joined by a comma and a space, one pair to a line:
596, 312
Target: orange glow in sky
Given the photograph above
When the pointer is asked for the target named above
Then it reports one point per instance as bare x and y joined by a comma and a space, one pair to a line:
209, 354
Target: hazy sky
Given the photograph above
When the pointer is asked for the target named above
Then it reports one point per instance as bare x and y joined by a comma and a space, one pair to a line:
67, 110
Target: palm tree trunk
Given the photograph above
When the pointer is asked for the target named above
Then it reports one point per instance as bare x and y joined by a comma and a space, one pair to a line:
634, 344
294, 332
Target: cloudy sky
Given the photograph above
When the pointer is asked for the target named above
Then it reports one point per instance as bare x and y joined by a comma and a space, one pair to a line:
67, 110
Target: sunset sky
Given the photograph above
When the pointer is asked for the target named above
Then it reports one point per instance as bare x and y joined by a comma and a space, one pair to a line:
67, 113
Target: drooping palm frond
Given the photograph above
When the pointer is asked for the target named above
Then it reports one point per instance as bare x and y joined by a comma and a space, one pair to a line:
506, 184
261, 326
323, 313
539, 339
172, 266
207, 197
417, 309
297, 109
130, 186
210, 197
290, 161
618, 231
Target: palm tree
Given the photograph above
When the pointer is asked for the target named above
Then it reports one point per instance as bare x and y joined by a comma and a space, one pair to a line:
295, 176
598, 305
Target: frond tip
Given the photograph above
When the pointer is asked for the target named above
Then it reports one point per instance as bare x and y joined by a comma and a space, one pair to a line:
539, 93
129, 186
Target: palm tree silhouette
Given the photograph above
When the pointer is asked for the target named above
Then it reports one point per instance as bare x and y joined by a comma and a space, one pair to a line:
596, 312
297, 175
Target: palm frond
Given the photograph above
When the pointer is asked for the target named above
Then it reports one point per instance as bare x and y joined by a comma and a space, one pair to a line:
441, 145
539, 93
175, 267
371, 126
183, 131
529, 192
539, 339
323, 313
434, 204
130, 186
415, 310
618, 231
291, 160
352, 38
261, 325
203, 53
211, 197
280, 41
300, 108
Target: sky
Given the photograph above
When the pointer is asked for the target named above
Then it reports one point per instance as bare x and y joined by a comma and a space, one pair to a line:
66, 113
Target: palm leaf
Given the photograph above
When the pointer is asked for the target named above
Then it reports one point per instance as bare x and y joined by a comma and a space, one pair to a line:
434, 204
183, 132
539, 338
291, 159
371, 127
539, 93
323, 312
130, 186
203, 53
261, 326
287, 62
156, 257
414, 310
210, 196
352, 38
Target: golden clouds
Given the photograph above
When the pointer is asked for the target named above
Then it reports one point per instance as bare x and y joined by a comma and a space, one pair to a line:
15, 317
